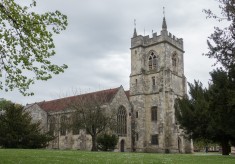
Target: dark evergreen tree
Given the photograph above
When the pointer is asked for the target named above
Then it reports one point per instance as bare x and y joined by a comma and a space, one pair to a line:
17, 130
222, 112
222, 43
218, 116
209, 113
192, 112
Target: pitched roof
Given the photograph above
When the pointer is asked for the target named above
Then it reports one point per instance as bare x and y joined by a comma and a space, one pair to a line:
63, 103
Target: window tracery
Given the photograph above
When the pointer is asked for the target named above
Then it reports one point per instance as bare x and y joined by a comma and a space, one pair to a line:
122, 121
152, 61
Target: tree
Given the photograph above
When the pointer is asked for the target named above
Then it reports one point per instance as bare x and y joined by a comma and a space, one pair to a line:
222, 42
217, 112
16, 129
107, 142
209, 113
93, 114
26, 45
222, 109
192, 113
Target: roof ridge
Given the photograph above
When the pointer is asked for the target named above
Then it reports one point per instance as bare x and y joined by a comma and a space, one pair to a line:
62, 103
77, 95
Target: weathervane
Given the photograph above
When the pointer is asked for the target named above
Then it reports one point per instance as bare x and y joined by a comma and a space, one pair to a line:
135, 23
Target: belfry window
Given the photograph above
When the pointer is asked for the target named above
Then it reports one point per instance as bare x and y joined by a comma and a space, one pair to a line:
154, 113
152, 61
122, 121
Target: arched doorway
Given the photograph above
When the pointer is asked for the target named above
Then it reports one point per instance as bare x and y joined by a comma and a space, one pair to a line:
122, 145
179, 145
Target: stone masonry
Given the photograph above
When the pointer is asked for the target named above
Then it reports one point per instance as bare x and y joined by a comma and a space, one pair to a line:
147, 110
157, 78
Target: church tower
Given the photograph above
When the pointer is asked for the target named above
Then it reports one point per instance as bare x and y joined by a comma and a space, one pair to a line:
156, 79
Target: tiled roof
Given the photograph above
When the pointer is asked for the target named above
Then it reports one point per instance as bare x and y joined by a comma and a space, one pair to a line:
63, 103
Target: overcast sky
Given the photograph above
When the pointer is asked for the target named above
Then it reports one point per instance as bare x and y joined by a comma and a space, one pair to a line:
96, 44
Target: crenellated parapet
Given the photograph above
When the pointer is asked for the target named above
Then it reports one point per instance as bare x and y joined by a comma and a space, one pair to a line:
165, 36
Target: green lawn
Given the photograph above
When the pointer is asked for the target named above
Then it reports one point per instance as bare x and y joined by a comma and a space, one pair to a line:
59, 156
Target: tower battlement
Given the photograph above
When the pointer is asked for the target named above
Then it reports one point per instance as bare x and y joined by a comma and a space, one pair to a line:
145, 41
164, 37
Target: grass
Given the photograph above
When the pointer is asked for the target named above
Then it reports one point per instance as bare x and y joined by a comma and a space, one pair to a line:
20, 156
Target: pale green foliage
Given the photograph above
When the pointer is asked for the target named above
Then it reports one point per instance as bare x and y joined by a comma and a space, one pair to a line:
26, 45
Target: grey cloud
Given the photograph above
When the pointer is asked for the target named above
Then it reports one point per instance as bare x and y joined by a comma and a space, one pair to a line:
96, 43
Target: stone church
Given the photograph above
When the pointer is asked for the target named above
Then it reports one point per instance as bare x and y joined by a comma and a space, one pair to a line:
145, 113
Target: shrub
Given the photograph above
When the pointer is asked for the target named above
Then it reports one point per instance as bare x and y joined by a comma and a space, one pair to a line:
107, 142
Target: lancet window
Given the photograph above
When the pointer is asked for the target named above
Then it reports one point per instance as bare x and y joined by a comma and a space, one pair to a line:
154, 113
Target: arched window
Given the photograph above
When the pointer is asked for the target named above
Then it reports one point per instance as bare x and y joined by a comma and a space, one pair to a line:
154, 113
63, 125
121, 121
174, 62
52, 123
152, 61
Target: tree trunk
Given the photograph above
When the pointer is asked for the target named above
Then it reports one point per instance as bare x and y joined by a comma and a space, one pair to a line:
225, 147
94, 146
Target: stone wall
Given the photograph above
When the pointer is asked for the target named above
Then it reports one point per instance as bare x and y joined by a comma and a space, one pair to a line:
38, 114
121, 99
80, 141
144, 94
